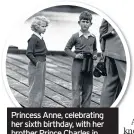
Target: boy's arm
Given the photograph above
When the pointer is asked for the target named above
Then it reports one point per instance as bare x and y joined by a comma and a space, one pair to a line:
69, 46
94, 50
30, 50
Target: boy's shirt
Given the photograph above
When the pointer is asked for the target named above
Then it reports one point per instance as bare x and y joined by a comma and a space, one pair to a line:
85, 35
82, 43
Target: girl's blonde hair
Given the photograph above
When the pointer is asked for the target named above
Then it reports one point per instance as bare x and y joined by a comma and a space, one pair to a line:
37, 21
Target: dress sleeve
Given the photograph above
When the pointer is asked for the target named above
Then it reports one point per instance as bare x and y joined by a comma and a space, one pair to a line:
103, 30
69, 46
30, 50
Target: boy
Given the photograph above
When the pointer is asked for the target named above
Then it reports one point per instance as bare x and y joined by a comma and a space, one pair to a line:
36, 52
82, 80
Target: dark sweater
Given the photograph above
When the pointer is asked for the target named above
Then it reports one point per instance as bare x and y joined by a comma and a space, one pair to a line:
36, 50
81, 44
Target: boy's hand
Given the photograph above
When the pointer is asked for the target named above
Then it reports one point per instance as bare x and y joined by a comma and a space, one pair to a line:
102, 56
79, 56
95, 57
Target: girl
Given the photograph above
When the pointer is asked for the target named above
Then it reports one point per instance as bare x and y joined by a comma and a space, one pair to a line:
36, 52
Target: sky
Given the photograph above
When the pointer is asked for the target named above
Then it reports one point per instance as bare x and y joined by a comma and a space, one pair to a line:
62, 26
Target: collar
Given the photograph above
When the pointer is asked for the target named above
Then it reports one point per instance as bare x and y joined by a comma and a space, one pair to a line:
85, 35
38, 35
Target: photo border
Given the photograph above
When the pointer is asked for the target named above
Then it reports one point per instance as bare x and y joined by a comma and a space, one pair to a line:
86, 6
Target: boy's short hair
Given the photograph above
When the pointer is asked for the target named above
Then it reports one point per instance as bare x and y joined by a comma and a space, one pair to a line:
37, 21
85, 15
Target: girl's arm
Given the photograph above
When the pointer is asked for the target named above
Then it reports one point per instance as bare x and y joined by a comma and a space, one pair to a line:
30, 50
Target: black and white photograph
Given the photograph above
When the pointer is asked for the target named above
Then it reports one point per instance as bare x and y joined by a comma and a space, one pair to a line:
66, 56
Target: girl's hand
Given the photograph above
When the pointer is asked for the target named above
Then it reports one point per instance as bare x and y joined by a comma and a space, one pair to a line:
38, 63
